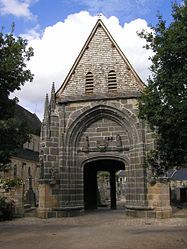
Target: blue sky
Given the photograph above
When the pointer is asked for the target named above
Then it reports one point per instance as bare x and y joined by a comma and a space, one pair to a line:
28, 14
52, 27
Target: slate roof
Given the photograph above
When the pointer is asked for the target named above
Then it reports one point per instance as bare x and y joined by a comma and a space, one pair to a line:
31, 120
121, 173
178, 174
28, 155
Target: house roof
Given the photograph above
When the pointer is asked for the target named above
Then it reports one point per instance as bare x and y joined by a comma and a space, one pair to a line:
28, 155
178, 174
98, 24
31, 120
121, 173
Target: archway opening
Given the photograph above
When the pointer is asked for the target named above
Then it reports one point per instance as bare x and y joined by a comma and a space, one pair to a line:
92, 172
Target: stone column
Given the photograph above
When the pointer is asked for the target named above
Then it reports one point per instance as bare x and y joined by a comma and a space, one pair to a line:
113, 189
159, 198
47, 201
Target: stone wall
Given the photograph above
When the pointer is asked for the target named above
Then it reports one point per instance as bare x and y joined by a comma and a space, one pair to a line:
101, 56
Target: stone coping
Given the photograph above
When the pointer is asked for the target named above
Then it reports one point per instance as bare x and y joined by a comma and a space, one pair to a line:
68, 208
69, 99
139, 207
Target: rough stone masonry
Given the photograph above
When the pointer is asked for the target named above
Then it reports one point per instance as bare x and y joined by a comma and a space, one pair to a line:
91, 124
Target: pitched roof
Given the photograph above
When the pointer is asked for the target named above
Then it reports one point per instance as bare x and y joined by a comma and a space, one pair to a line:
27, 155
31, 120
121, 173
178, 174
99, 23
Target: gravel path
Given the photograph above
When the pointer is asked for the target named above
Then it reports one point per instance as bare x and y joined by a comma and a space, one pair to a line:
97, 230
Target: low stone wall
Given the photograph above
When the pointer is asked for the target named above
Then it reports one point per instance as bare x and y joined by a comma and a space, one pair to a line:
49, 206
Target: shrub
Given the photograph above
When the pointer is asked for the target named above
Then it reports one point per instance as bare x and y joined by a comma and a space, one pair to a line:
8, 183
7, 208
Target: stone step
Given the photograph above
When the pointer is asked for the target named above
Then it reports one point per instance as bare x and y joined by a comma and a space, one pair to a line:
27, 206
30, 212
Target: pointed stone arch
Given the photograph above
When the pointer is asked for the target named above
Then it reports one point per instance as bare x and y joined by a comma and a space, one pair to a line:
75, 157
123, 118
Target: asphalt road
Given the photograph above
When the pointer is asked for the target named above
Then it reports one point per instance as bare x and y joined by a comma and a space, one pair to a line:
97, 230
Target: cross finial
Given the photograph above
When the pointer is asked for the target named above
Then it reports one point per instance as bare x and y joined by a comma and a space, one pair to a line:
99, 15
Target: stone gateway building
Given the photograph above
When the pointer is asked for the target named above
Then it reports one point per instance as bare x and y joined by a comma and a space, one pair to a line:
91, 124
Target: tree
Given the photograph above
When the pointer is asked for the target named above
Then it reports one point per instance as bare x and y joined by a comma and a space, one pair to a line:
14, 53
164, 102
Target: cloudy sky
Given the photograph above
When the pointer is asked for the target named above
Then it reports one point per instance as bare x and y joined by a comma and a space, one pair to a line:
58, 29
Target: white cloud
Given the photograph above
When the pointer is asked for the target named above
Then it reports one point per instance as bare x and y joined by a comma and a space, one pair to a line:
19, 8
57, 48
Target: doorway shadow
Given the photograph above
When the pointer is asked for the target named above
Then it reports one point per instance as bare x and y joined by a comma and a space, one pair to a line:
91, 192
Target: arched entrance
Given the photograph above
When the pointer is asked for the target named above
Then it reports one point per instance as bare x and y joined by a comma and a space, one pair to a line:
91, 193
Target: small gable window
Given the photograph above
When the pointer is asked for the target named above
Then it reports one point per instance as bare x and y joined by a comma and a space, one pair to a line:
89, 83
112, 84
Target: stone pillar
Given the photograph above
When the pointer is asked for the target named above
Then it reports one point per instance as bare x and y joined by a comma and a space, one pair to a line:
47, 201
113, 189
159, 198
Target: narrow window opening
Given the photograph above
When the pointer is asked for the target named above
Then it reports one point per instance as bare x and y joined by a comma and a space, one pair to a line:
89, 83
112, 84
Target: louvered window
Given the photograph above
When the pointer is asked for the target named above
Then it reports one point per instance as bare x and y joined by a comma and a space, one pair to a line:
89, 83
112, 84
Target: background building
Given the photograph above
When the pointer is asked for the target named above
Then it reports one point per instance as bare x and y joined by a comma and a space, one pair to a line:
178, 185
25, 164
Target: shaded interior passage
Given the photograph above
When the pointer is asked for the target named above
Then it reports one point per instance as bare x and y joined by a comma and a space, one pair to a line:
91, 196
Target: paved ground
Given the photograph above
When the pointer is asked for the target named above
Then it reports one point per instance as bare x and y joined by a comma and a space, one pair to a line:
99, 230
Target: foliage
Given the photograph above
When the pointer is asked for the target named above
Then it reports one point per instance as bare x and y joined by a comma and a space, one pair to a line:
156, 162
7, 207
164, 102
8, 183
104, 174
14, 54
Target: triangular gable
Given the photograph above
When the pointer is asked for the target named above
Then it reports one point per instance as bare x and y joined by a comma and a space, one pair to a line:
99, 23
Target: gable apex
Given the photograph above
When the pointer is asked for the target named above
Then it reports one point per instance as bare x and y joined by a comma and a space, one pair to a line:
99, 24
